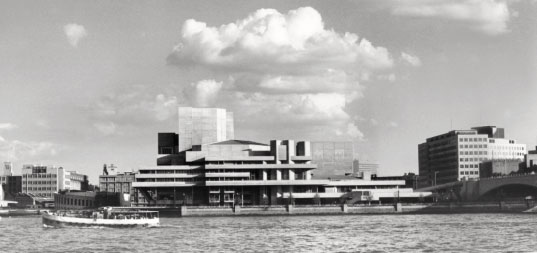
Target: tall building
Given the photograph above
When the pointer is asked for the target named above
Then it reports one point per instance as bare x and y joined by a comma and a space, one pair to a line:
333, 159
199, 126
457, 155
531, 159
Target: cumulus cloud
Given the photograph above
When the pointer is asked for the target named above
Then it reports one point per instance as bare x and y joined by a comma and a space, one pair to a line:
269, 41
15, 150
106, 128
7, 126
280, 67
488, 16
74, 33
411, 59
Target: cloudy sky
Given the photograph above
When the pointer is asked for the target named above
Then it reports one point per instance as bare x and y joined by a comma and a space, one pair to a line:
84, 83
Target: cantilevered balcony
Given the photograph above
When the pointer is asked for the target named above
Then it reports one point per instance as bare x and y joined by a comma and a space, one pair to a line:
227, 174
266, 182
260, 166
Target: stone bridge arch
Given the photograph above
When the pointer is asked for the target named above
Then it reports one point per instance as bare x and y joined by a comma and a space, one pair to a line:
523, 182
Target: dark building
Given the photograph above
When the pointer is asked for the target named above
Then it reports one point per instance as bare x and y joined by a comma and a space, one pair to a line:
88, 200
491, 131
496, 168
12, 184
168, 150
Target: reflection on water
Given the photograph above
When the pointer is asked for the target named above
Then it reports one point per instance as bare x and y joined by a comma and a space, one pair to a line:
352, 233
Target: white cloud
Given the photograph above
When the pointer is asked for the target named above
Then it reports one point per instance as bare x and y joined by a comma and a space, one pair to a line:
393, 124
16, 150
354, 132
285, 68
268, 41
411, 59
7, 126
74, 33
206, 92
106, 128
489, 16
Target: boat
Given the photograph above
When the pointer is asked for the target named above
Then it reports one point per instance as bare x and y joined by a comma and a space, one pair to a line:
103, 217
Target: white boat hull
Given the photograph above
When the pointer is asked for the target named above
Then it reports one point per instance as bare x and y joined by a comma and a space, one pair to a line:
65, 221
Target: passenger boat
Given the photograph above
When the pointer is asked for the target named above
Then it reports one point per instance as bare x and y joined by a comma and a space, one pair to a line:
104, 217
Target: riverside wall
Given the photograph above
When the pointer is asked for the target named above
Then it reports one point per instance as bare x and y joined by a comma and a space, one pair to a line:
426, 208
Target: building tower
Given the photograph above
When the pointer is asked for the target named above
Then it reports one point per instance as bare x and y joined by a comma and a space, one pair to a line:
204, 125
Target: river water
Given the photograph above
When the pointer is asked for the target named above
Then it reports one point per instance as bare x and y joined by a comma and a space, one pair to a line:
349, 233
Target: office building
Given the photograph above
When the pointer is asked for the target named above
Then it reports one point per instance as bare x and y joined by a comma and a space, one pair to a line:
456, 155
44, 181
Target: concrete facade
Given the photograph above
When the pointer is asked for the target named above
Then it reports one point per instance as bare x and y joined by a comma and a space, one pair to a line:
231, 172
456, 155
199, 126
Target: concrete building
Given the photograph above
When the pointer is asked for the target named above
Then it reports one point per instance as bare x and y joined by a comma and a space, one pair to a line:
332, 158
204, 125
121, 183
44, 181
227, 172
456, 155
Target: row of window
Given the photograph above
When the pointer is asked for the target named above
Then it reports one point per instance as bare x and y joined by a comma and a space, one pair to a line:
472, 139
75, 202
466, 166
507, 147
472, 159
41, 175
473, 146
469, 172
39, 182
473, 152
41, 188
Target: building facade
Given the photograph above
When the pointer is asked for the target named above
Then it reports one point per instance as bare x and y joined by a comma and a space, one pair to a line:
119, 182
44, 181
204, 125
212, 171
456, 155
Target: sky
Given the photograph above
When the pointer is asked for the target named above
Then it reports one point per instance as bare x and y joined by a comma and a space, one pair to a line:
83, 83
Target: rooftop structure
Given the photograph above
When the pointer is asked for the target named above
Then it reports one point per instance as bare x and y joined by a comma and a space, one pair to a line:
199, 126
332, 158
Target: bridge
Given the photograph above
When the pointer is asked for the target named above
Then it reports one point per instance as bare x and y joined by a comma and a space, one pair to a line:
511, 186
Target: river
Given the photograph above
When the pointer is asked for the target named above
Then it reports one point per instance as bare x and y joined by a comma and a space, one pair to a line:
345, 233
